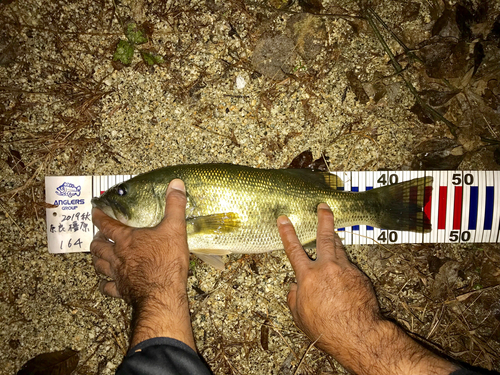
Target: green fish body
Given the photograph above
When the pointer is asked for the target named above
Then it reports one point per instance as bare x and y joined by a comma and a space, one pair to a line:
233, 209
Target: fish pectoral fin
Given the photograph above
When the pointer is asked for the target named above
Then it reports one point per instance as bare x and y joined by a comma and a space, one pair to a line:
212, 259
215, 224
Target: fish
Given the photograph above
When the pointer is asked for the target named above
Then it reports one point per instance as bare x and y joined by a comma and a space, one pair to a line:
233, 208
68, 190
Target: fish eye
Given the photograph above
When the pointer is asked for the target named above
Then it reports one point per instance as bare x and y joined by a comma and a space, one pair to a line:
121, 191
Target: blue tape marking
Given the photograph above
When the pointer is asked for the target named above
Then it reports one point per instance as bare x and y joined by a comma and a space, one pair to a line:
474, 191
488, 210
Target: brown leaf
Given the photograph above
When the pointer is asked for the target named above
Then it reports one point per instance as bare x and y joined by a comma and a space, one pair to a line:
437, 98
302, 160
445, 57
422, 115
264, 335
478, 55
464, 20
62, 362
311, 6
411, 11
305, 160
446, 25
357, 87
496, 155
494, 34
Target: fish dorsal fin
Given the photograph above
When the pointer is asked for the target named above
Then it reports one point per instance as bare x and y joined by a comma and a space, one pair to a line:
320, 178
225, 222
332, 180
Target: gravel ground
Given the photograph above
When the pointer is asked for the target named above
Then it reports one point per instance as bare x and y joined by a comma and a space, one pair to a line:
251, 83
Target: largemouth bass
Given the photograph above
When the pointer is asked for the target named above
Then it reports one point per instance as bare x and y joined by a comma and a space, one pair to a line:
233, 209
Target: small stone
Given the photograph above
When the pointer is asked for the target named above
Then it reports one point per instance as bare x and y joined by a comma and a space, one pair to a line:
240, 82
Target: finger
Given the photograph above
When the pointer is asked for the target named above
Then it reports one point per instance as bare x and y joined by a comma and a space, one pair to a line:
108, 288
100, 247
340, 249
293, 248
102, 267
325, 237
292, 298
175, 206
110, 227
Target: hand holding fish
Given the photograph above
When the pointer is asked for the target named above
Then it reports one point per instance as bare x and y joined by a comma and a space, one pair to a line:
334, 303
148, 268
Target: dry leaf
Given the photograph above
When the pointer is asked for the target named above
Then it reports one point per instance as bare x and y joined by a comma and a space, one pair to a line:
62, 362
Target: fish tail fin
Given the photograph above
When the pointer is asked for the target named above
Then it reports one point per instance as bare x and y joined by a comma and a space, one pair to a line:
401, 206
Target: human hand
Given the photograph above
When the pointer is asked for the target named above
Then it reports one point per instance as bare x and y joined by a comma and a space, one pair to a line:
334, 304
148, 268
332, 301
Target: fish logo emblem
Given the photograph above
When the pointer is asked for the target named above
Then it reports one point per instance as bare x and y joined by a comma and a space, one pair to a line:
68, 190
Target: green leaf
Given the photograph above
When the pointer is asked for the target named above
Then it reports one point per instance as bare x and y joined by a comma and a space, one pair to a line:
124, 52
151, 58
134, 34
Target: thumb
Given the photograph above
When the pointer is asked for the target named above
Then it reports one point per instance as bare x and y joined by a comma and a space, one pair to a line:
175, 205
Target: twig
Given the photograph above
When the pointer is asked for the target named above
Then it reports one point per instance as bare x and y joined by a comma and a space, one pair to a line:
304, 356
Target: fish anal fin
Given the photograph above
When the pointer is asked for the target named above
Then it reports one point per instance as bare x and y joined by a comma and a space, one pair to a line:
212, 260
211, 251
225, 222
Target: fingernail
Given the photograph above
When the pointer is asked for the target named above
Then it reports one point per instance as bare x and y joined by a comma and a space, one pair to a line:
324, 206
177, 185
283, 220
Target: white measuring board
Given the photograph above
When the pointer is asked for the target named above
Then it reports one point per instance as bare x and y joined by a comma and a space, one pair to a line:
463, 207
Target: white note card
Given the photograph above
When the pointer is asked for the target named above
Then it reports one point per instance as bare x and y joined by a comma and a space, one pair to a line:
69, 225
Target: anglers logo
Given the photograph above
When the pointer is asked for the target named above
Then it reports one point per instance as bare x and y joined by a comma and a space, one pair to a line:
68, 190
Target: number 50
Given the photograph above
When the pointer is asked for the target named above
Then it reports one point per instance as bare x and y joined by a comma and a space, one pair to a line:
455, 236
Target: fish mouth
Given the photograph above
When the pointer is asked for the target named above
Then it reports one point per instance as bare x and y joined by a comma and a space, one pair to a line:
114, 210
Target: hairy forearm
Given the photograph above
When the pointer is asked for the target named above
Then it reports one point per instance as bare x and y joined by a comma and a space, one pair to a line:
162, 318
386, 349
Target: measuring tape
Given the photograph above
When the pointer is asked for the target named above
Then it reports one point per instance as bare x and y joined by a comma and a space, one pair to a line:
463, 207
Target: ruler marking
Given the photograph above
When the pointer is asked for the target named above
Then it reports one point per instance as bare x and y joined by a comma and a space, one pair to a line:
496, 209
474, 193
462, 206
442, 207
489, 196
457, 208
488, 212
465, 209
